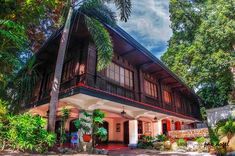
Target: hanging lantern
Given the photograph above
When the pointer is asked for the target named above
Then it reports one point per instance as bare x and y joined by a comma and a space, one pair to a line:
155, 118
123, 112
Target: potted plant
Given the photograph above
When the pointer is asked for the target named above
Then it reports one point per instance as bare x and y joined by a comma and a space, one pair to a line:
92, 122
84, 125
98, 131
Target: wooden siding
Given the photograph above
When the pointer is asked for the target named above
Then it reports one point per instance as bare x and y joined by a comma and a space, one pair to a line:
83, 58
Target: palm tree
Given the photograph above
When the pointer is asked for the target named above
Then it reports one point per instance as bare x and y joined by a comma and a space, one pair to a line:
90, 9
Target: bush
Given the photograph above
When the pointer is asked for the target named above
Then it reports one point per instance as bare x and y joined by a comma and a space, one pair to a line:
181, 142
161, 138
200, 140
3, 123
23, 131
27, 132
146, 142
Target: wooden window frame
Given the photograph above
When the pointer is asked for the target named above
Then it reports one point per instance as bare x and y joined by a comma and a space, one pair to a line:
150, 89
120, 75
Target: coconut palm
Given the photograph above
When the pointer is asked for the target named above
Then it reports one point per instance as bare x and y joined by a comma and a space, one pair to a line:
91, 10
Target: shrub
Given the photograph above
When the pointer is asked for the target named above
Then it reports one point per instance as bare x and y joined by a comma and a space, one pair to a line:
200, 140
214, 138
181, 142
146, 142
161, 138
27, 132
3, 123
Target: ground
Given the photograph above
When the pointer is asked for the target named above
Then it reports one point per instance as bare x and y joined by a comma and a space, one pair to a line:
123, 152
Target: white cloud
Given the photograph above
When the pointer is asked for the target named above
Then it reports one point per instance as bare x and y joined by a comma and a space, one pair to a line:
149, 24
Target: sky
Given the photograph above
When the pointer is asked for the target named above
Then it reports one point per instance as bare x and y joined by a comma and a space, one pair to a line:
149, 24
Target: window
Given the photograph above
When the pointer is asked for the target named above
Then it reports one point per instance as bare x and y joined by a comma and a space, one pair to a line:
147, 127
121, 75
68, 71
177, 102
167, 96
150, 88
49, 80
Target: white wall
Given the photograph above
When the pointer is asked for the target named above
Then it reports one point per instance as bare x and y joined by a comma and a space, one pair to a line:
220, 113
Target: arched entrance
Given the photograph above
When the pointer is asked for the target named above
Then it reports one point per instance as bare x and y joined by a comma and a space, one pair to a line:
72, 127
126, 132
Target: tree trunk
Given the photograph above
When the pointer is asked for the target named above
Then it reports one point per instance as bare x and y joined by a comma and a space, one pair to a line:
58, 72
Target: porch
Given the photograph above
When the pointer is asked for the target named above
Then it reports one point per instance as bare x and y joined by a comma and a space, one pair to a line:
125, 124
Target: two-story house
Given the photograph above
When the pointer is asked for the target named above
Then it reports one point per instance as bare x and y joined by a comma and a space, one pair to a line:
137, 92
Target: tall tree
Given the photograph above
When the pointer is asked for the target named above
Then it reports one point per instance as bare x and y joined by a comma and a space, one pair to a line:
201, 48
90, 9
24, 25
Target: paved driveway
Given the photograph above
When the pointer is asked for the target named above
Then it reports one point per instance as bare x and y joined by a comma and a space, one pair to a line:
145, 152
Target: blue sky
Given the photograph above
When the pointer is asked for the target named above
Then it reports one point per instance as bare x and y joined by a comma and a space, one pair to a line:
149, 24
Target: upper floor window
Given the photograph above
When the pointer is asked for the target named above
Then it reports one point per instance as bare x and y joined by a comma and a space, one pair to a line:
68, 71
177, 102
119, 74
49, 79
150, 88
167, 96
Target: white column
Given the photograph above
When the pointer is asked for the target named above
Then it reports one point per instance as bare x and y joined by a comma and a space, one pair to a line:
154, 128
157, 127
172, 126
133, 133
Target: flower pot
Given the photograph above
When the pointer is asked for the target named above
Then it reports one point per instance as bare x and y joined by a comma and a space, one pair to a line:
86, 137
167, 145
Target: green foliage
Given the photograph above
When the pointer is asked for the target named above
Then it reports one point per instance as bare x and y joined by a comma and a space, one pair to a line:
161, 137
3, 108
97, 125
65, 116
214, 138
227, 129
101, 132
3, 123
94, 121
25, 132
200, 140
102, 41
28, 132
22, 30
84, 123
181, 142
146, 142
201, 48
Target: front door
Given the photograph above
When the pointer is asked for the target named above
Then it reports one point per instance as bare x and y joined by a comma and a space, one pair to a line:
126, 132
164, 128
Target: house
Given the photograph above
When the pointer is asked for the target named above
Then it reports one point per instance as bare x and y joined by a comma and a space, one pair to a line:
137, 92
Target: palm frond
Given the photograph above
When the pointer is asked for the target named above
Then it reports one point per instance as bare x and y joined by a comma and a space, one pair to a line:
90, 4
26, 79
124, 7
102, 13
102, 41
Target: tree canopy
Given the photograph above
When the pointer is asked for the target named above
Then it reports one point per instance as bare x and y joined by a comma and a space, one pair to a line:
24, 26
201, 49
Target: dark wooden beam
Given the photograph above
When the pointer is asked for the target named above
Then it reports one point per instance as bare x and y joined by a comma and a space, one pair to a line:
142, 65
172, 83
157, 72
177, 87
165, 77
128, 52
